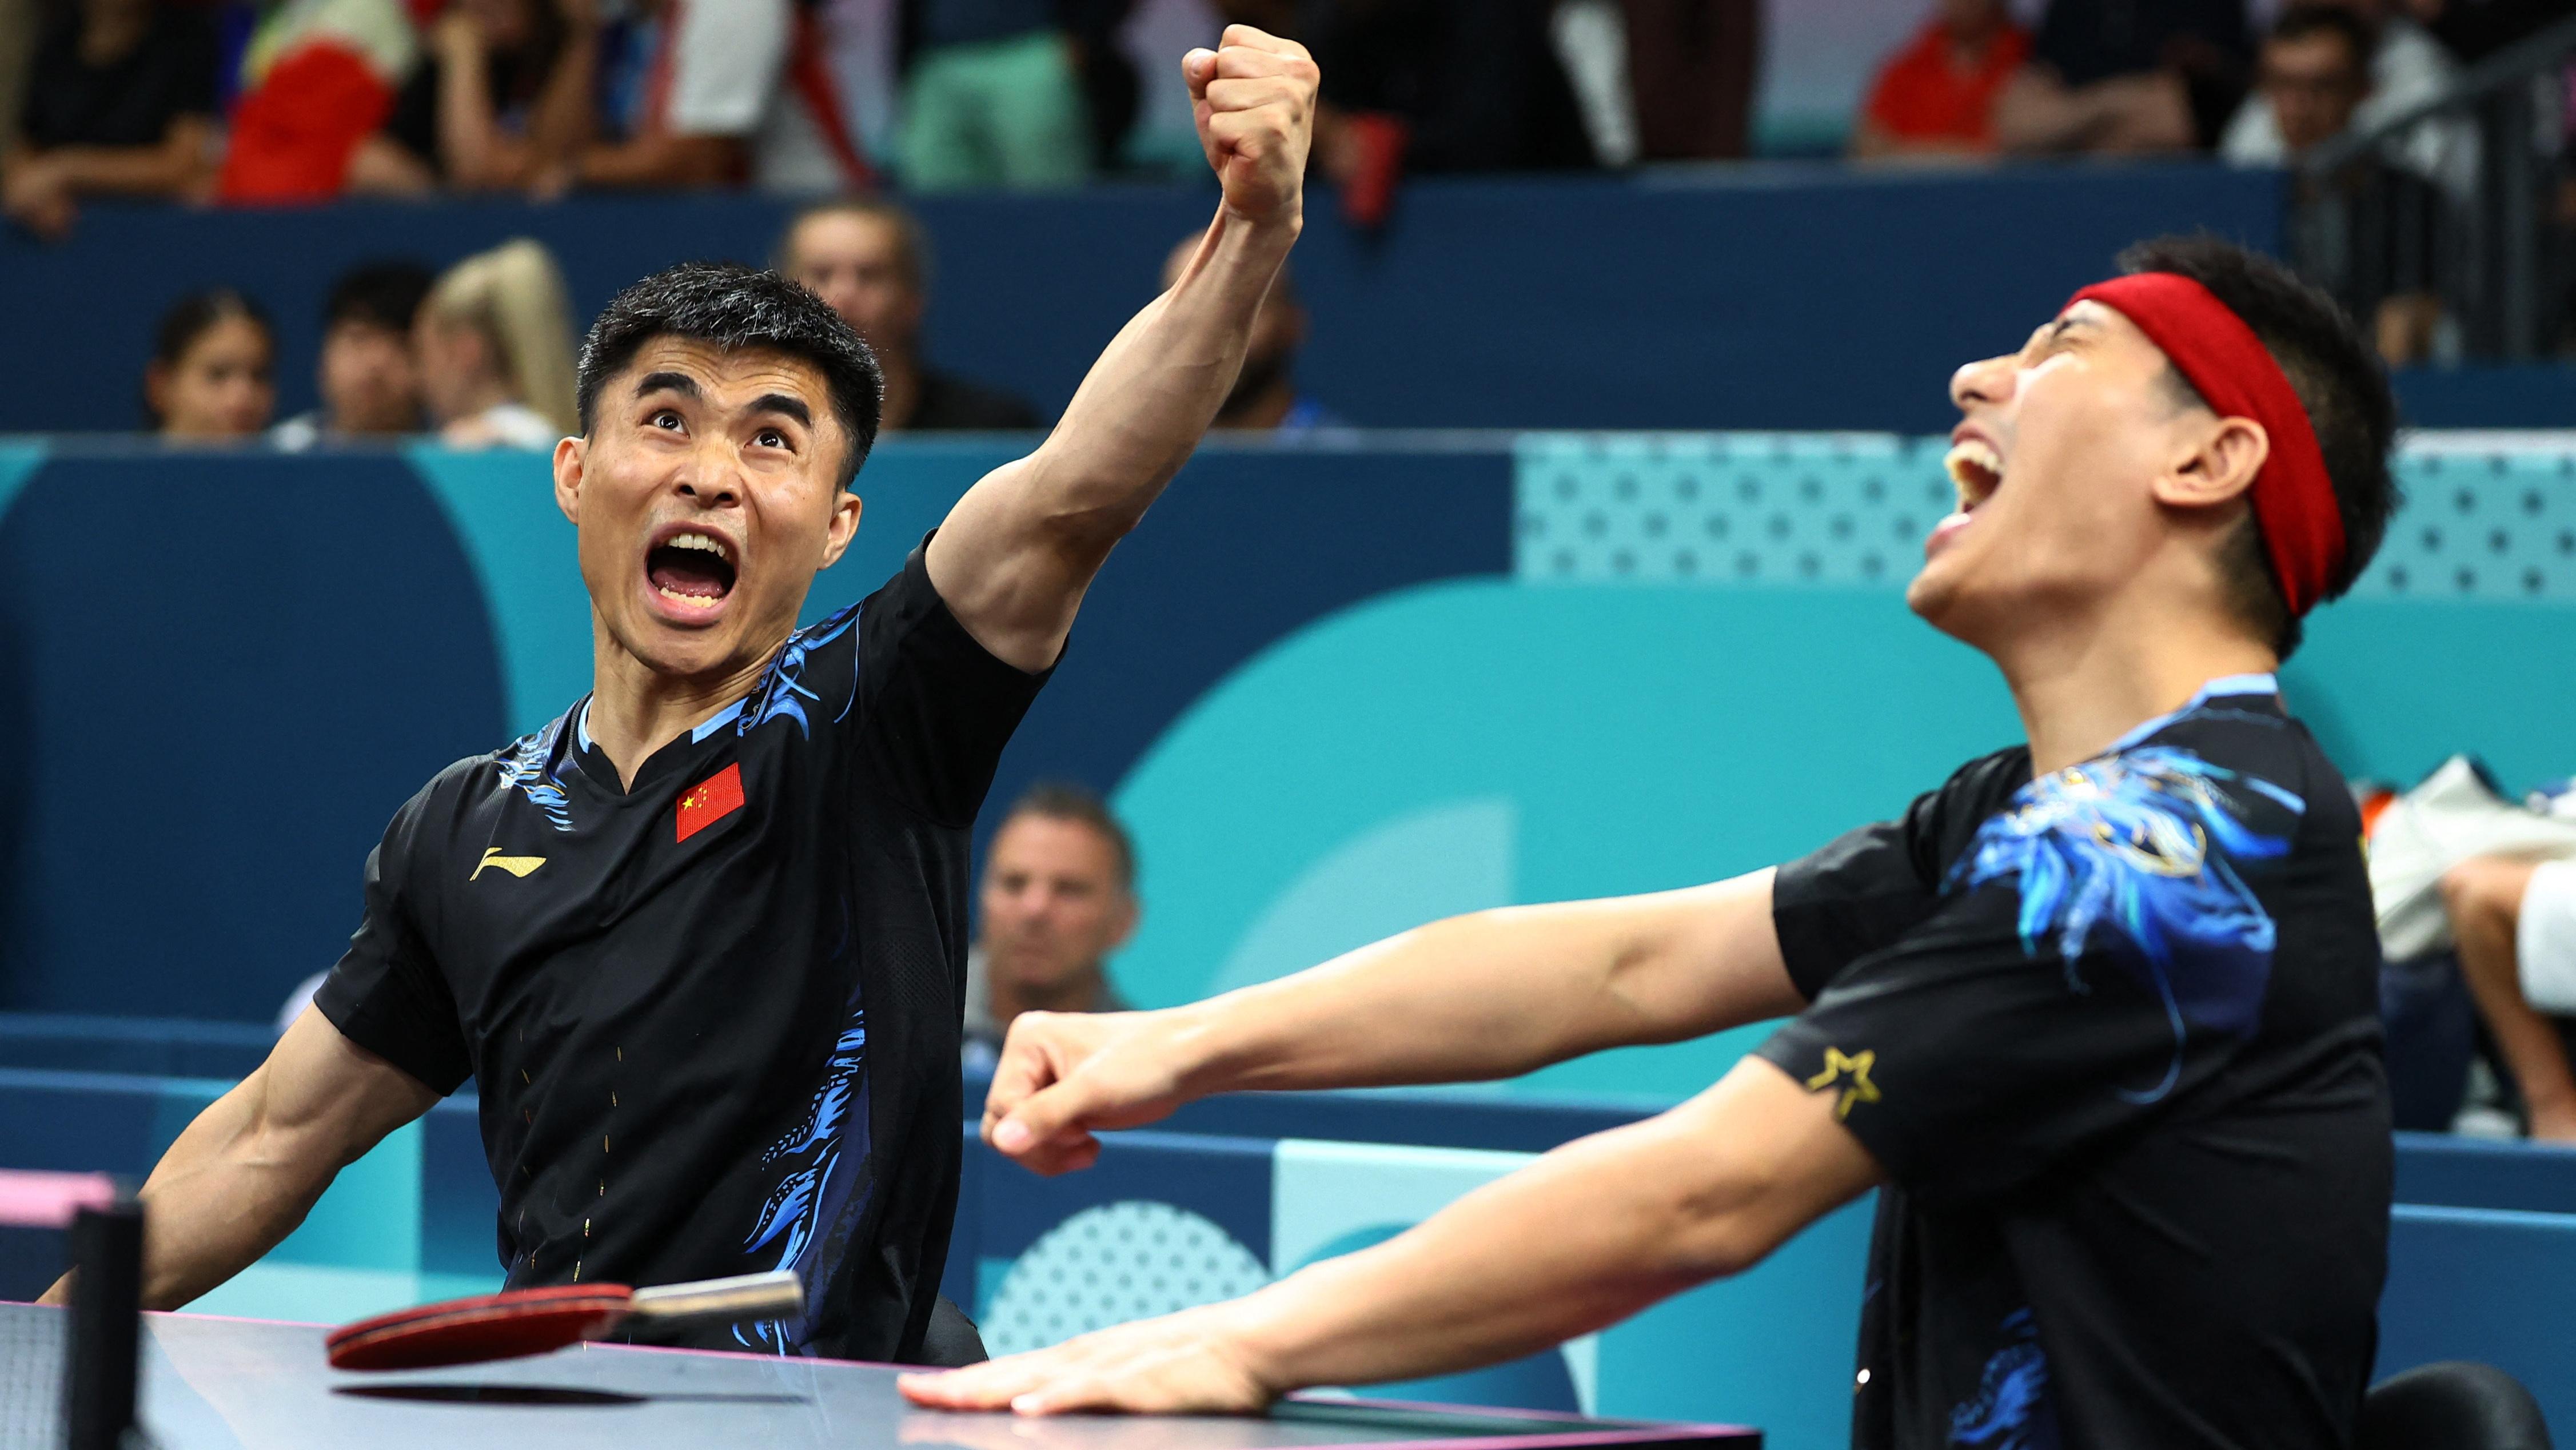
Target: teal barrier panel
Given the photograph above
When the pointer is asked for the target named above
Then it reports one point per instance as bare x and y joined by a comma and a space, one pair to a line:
2486, 1285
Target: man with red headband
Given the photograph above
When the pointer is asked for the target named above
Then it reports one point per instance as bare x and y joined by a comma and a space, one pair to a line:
2097, 1017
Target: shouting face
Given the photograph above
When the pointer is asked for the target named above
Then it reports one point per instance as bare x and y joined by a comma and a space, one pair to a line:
707, 495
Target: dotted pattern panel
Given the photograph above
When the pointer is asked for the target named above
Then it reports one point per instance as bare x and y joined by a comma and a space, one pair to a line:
2487, 516
1111, 1264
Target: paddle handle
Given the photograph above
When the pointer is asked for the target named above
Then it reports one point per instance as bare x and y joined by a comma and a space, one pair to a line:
774, 1295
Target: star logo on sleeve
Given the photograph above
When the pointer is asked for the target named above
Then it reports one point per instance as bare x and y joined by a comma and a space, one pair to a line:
1853, 1073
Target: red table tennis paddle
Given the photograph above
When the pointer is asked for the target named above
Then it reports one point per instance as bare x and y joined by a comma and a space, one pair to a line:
517, 1322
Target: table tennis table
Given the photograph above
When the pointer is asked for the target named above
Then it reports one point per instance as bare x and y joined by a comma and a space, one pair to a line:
208, 1382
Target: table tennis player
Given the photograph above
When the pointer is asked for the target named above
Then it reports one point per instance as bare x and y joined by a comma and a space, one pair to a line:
699, 943
2097, 1016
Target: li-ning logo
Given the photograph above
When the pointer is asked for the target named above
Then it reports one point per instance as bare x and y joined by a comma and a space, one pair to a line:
516, 865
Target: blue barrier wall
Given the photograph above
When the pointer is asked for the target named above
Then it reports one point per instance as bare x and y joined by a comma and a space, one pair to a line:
1770, 297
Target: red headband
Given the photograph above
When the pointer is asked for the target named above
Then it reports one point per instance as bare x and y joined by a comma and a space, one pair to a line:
2212, 346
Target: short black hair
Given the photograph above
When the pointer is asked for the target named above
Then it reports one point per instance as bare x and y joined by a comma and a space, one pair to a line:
2298, 22
2340, 383
192, 317
1058, 800
738, 307
384, 294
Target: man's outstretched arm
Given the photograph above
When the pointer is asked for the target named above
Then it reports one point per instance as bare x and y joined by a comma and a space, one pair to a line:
1016, 554
249, 1168
1588, 1235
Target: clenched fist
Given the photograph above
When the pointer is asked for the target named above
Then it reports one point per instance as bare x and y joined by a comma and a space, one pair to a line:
1254, 98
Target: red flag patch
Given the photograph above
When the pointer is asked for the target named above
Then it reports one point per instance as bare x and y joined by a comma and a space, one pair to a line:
710, 801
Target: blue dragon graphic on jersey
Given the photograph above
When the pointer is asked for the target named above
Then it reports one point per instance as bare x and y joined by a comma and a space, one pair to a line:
783, 691
2010, 1410
2117, 853
824, 1176
523, 767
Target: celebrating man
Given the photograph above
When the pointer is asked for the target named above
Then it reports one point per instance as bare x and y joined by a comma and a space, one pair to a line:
2098, 1016
699, 943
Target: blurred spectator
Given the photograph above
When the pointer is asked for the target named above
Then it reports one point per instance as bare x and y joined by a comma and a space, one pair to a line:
1432, 86
1059, 896
2472, 30
2127, 76
2402, 66
120, 101
2515, 924
725, 92
211, 371
503, 89
2378, 250
866, 260
495, 347
1113, 94
19, 32
992, 96
1936, 97
317, 80
1692, 67
1265, 395
369, 375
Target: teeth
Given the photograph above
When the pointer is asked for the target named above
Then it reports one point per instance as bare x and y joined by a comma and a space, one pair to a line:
700, 601
1975, 469
696, 541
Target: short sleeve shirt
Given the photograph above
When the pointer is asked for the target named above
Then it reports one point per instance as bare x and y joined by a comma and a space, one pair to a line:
130, 101
2112, 1035
1922, 94
712, 1018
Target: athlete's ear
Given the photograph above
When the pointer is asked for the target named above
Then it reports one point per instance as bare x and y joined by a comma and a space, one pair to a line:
570, 453
843, 527
2215, 460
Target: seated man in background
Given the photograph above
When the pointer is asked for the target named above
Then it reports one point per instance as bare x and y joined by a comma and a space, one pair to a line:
120, 102
2514, 922
699, 941
369, 376
2125, 77
1059, 896
1936, 97
2378, 253
1265, 397
2098, 1016
868, 261
2396, 65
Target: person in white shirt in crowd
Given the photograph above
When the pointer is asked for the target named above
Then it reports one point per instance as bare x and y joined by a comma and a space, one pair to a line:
1059, 897
2407, 67
729, 92
495, 346
369, 375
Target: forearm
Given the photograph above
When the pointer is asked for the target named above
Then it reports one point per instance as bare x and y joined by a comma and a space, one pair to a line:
1499, 993
561, 126
165, 170
467, 138
1592, 1233
658, 159
1149, 399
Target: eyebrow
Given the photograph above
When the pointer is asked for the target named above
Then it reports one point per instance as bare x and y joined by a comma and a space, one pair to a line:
680, 383
785, 406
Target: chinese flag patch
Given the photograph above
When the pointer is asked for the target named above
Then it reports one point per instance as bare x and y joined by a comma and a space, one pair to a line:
710, 801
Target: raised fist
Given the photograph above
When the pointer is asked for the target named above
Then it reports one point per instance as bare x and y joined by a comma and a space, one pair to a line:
1254, 99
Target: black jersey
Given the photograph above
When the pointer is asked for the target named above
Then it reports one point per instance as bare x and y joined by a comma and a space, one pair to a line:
713, 1018
2113, 1037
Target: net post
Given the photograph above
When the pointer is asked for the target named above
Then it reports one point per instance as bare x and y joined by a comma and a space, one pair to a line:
106, 1324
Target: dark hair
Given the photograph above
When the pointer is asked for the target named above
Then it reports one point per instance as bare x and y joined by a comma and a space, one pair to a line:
380, 294
738, 308
1061, 801
911, 244
2301, 21
192, 317
2340, 383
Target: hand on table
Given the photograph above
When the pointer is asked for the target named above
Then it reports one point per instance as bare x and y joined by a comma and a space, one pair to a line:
1194, 1362
1254, 100
1065, 1075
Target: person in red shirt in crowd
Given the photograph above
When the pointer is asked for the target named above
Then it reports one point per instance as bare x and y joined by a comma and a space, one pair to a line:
1936, 97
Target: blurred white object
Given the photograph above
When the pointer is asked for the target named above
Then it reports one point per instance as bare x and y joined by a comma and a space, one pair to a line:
1592, 42
2450, 817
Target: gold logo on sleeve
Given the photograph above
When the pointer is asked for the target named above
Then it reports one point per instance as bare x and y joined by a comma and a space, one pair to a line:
518, 866
1857, 1088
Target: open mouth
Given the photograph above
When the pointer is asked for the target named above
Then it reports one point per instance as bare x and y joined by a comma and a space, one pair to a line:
692, 569
1976, 471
